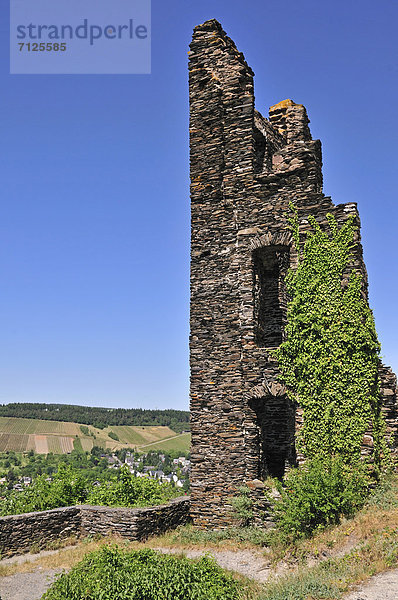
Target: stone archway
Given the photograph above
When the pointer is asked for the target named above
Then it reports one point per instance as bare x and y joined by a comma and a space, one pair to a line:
269, 432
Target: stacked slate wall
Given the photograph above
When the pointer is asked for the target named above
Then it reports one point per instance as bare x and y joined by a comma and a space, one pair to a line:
19, 533
245, 171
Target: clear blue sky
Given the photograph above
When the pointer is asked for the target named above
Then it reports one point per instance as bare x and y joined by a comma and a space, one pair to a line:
94, 222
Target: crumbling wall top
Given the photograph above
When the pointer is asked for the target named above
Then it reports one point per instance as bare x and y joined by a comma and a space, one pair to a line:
213, 29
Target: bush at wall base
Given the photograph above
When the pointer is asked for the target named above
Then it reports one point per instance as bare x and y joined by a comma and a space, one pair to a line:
319, 493
115, 574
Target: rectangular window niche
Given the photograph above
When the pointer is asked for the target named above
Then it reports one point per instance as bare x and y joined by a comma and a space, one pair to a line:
270, 265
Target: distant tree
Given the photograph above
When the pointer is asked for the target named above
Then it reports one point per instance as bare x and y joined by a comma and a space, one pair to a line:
96, 451
11, 476
177, 420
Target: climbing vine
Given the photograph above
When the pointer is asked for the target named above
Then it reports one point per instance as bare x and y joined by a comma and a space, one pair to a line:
329, 360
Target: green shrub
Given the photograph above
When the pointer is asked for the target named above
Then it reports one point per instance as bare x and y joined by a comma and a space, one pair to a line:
128, 490
115, 574
70, 487
113, 436
243, 506
318, 494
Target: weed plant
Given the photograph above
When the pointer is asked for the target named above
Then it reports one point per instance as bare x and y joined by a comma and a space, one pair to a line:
115, 574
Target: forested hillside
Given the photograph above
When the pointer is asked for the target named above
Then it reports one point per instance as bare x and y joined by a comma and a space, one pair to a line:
177, 420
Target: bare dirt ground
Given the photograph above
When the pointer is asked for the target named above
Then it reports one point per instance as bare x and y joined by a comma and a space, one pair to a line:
380, 587
249, 563
26, 586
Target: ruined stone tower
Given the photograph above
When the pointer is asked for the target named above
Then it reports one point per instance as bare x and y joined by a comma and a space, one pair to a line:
245, 169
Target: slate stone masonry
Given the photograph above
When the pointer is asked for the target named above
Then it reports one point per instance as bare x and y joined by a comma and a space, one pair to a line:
18, 533
245, 170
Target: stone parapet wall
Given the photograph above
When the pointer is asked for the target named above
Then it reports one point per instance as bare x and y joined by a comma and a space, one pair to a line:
134, 523
18, 533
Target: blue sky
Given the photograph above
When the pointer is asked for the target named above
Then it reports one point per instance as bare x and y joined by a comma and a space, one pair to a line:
94, 222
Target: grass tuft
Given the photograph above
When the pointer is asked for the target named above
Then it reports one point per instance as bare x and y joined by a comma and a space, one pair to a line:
187, 535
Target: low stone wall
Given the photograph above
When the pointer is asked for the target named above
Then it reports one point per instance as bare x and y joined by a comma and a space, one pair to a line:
18, 533
134, 523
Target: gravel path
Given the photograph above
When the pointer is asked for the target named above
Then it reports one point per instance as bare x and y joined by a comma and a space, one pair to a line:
246, 562
24, 558
27, 586
379, 587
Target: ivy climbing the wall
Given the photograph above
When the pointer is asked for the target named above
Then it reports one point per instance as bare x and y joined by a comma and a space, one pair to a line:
330, 357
